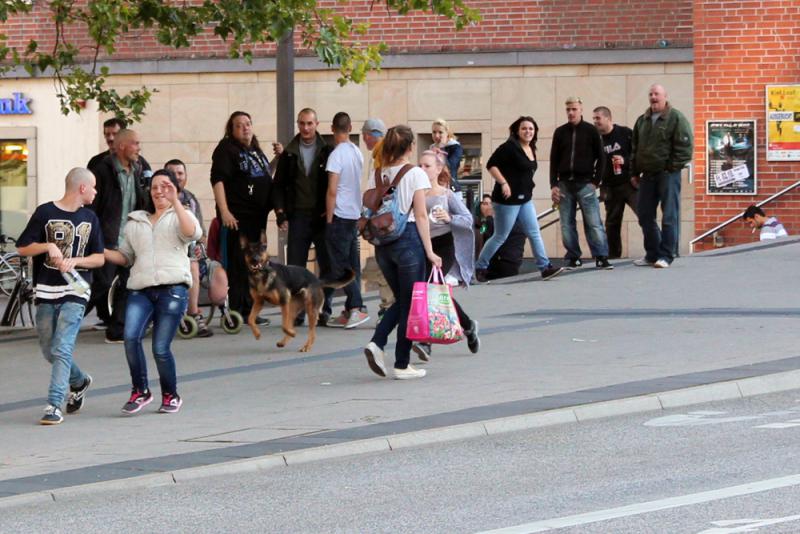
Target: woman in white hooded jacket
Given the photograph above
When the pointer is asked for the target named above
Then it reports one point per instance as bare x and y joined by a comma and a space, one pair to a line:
155, 247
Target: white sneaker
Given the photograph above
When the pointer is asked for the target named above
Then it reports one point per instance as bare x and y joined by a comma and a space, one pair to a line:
408, 373
375, 356
356, 318
661, 264
642, 262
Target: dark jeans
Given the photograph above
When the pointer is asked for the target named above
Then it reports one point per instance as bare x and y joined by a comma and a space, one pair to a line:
341, 238
233, 262
661, 188
402, 263
617, 196
165, 305
444, 247
303, 231
583, 194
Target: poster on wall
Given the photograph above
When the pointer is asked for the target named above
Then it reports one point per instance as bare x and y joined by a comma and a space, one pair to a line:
783, 123
731, 168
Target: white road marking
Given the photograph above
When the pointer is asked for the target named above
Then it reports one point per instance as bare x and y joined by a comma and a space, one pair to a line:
651, 506
698, 419
747, 525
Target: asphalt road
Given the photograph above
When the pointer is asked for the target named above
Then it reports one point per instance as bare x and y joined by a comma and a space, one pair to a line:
713, 468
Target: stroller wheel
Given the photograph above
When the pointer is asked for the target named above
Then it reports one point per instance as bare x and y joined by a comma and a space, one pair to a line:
188, 328
232, 322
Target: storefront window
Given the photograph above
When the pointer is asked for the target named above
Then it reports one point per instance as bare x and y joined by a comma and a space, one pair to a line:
13, 186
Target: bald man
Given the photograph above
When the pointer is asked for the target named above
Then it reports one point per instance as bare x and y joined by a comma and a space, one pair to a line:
63, 236
121, 182
662, 145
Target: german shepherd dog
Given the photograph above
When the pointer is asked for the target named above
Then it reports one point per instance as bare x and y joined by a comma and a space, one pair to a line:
290, 287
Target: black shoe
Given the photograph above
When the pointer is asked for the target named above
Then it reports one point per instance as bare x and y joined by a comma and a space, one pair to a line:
473, 341
323, 319
602, 263
551, 272
52, 416
137, 401
298, 321
114, 340
574, 263
77, 396
262, 321
480, 276
423, 351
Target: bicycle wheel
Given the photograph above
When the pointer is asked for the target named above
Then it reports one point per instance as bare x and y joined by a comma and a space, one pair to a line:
10, 265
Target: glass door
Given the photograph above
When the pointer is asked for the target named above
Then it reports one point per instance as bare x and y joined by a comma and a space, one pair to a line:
13, 186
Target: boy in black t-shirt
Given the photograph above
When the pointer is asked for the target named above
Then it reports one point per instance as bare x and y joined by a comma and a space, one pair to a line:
63, 236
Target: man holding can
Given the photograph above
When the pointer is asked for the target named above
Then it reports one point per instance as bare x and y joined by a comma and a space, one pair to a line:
616, 189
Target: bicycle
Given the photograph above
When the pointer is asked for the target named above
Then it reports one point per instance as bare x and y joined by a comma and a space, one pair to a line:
20, 300
10, 265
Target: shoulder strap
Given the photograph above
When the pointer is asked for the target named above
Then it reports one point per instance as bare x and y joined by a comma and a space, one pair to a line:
402, 172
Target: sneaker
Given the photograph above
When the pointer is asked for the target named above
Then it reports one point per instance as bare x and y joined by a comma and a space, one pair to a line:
422, 350
356, 318
137, 401
661, 264
324, 319
551, 272
574, 263
78, 395
114, 340
473, 341
480, 276
52, 416
263, 321
341, 321
202, 328
170, 403
602, 263
102, 325
643, 262
408, 373
375, 356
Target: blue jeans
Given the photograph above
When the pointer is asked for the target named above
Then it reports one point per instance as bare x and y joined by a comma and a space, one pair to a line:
58, 326
165, 305
304, 230
664, 188
341, 238
583, 194
505, 215
402, 263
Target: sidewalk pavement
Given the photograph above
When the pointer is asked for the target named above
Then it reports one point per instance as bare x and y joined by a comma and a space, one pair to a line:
589, 343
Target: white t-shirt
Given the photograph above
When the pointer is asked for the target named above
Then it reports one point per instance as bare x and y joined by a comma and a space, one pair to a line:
414, 180
347, 161
772, 229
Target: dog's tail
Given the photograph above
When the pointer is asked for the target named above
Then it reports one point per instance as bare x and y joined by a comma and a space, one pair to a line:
349, 276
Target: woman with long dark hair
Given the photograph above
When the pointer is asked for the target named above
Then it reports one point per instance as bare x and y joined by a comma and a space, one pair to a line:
512, 167
242, 180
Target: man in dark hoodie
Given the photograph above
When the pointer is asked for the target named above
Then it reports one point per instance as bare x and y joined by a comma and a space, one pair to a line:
576, 169
299, 191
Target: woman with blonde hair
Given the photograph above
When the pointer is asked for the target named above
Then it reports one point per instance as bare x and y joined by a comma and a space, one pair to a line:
445, 140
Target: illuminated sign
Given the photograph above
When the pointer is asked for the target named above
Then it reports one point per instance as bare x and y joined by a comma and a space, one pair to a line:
18, 105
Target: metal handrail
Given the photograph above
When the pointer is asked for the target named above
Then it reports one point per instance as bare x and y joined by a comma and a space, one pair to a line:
739, 216
548, 211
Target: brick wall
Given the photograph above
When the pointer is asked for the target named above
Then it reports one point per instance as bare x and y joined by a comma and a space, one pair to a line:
507, 25
739, 47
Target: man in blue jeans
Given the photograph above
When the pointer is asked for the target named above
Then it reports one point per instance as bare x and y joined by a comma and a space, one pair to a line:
662, 145
343, 209
63, 237
577, 160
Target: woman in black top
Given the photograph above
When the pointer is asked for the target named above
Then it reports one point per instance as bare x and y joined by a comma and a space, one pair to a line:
512, 166
242, 180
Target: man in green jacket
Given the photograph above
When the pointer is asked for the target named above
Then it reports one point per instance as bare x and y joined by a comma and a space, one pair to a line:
662, 145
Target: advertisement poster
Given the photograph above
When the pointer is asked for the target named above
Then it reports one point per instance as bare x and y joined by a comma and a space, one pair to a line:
783, 123
731, 168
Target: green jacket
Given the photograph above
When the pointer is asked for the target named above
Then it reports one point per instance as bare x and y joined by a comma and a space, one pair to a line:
666, 145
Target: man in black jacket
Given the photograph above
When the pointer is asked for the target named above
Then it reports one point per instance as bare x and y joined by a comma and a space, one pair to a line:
299, 190
120, 179
616, 189
576, 167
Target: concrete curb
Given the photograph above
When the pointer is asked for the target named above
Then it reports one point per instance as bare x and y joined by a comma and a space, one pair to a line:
721, 391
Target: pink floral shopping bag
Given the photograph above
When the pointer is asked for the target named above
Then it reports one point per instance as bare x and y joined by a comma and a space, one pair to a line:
433, 317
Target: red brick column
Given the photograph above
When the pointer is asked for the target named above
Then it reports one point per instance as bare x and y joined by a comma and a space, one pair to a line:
740, 46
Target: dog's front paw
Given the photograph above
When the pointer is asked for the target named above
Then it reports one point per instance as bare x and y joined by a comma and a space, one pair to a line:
281, 343
305, 348
257, 335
